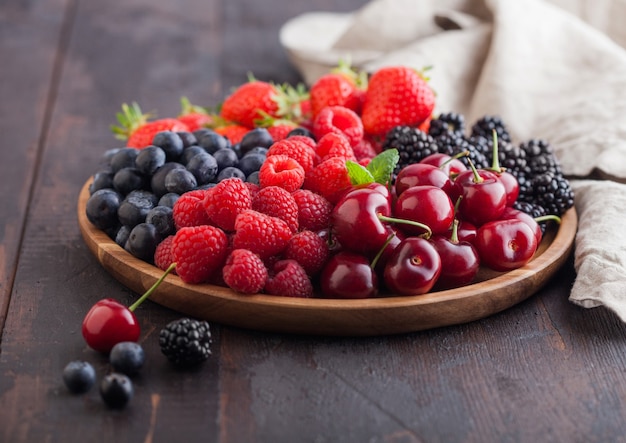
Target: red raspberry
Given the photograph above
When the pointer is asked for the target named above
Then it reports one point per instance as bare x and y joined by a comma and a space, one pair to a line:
288, 279
313, 210
308, 249
279, 131
300, 151
329, 179
189, 210
283, 171
304, 139
253, 188
365, 149
225, 200
163, 256
262, 234
277, 202
339, 120
244, 272
335, 145
199, 251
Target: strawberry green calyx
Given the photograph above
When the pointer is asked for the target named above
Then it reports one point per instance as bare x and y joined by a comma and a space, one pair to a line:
130, 118
186, 107
359, 78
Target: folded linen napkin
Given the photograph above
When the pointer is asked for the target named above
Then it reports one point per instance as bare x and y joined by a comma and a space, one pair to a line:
551, 69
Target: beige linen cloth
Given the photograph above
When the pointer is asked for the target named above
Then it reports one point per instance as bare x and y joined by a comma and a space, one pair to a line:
552, 69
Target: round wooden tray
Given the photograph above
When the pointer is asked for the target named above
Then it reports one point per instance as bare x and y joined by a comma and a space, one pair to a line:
367, 317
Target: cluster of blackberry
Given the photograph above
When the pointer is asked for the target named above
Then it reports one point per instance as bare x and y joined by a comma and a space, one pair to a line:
543, 187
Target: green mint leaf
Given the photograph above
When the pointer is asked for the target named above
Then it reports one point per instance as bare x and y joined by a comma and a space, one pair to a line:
381, 167
358, 174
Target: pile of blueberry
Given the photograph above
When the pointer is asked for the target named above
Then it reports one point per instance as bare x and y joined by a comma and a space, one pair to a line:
134, 190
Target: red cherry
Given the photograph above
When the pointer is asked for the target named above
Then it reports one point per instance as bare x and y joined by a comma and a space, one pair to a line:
504, 245
509, 181
356, 222
348, 275
107, 323
450, 165
417, 174
428, 205
466, 231
512, 213
483, 196
413, 268
459, 260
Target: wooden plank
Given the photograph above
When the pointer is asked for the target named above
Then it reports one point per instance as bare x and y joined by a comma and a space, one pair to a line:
29, 40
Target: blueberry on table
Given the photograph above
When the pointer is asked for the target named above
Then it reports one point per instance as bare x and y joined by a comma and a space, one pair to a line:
127, 357
116, 390
79, 376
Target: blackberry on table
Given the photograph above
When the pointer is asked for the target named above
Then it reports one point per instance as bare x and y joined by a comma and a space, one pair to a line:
412, 144
484, 126
186, 341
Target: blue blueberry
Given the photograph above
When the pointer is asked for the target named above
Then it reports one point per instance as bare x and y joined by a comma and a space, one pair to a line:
254, 178
250, 163
128, 179
188, 138
157, 182
127, 357
190, 152
225, 158
79, 376
116, 390
257, 137
142, 241
170, 142
123, 158
301, 131
150, 159
161, 217
203, 167
180, 181
210, 140
168, 199
101, 180
102, 207
230, 172
121, 235
135, 207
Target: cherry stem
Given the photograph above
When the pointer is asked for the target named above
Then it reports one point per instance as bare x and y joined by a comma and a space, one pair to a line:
477, 177
381, 251
149, 292
428, 233
495, 165
545, 218
454, 238
465, 153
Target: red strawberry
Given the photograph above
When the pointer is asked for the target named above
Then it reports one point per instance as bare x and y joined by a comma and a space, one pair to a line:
396, 95
199, 251
245, 104
232, 132
260, 233
244, 272
195, 117
340, 87
138, 131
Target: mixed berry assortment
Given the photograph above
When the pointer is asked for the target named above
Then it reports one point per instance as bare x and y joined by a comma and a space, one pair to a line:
350, 189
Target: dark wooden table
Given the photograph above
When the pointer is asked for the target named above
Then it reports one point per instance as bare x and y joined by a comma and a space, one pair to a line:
543, 371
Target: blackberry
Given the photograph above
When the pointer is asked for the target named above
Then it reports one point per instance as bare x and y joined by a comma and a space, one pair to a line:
412, 144
533, 209
484, 126
186, 341
453, 144
450, 122
553, 192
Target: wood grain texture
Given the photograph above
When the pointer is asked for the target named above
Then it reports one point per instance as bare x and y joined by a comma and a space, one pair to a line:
542, 370
492, 293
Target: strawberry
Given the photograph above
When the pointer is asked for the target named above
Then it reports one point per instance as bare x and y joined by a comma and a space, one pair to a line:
246, 103
341, 87
255, 100
195, 117
232, 132
396, 95
136, 128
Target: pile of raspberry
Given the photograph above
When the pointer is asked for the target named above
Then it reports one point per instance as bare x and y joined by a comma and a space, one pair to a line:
266, 237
